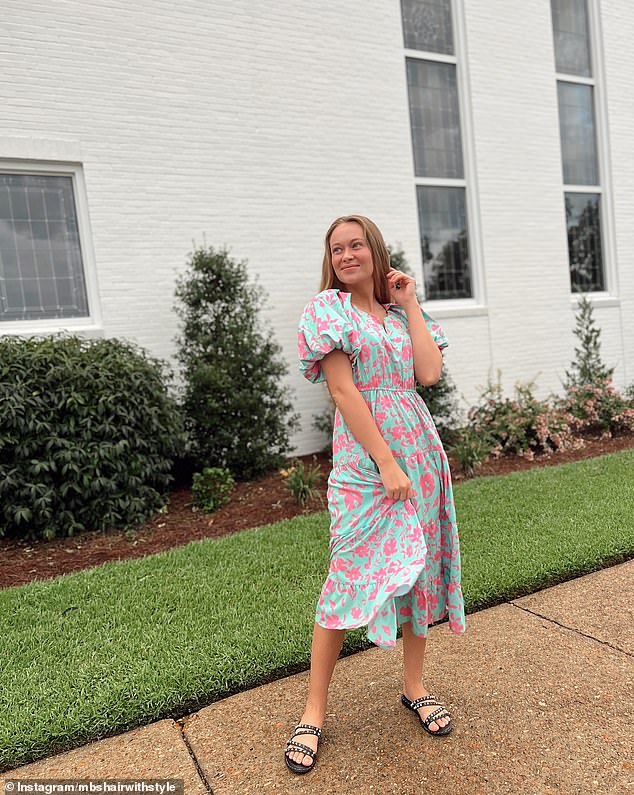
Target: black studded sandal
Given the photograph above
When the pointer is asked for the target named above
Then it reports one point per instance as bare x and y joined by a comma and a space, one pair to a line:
429, 701
292, 745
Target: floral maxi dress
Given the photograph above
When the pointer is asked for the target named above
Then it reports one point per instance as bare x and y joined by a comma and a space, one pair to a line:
391, 561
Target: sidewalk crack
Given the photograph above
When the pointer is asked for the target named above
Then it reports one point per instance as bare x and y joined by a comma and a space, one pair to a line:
199, 770
572, 629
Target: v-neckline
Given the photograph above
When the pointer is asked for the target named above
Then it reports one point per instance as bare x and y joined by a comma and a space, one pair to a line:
374, 317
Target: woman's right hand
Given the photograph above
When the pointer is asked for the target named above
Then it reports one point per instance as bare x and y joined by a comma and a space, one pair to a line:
397, 485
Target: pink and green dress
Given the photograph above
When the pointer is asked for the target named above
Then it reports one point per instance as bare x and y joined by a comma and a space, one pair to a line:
391, 561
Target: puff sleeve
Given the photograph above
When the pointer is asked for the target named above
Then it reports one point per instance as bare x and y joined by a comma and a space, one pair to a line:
434, 329
323, 327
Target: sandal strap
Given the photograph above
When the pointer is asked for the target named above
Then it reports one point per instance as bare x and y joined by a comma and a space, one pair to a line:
425, 701
311, 729
436, 714
294, 746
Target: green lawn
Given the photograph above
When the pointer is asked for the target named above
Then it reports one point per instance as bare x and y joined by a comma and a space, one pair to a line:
98, 652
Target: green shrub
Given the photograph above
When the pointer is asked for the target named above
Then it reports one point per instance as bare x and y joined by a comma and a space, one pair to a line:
88, 433
238, 411
470, 448
302, 481
211, 488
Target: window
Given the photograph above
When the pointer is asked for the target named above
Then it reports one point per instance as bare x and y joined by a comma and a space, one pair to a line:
427, 25
576, 92
42, 274
434, 108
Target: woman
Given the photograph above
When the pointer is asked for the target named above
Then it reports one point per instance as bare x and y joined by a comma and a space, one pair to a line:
394, 549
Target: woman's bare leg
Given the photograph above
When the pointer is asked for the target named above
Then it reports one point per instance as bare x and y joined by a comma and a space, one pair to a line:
325, 649
413, 663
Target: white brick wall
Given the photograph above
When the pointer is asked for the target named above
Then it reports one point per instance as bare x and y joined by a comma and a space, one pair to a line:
255, 124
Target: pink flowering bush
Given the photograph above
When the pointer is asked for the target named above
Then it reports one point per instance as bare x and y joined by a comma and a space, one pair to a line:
522, 425
597, 408
526, 426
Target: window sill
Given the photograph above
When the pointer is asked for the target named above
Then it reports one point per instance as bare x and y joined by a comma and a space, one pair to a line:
26, 329
439, 309
596, 299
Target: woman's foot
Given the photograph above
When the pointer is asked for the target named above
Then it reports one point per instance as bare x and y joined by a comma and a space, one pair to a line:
311, 740
418, 691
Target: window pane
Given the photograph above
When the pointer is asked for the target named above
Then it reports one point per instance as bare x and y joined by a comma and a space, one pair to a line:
41, 269
576, 126
572, 42
584, 242
427, 25
435, 119
445, 249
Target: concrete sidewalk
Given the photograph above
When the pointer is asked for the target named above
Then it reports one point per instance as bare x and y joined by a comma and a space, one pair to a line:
541, 690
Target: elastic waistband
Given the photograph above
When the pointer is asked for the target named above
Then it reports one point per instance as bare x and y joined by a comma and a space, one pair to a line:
387, 389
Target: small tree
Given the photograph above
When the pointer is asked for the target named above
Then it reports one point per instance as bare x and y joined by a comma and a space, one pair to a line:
587, 367
238, 411
591, 404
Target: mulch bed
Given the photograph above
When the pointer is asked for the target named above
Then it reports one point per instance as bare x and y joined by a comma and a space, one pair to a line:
252, 504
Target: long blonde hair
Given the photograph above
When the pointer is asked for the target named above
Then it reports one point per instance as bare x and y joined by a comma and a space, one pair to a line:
380, 257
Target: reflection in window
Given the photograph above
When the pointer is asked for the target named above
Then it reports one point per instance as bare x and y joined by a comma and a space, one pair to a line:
435, 119
577, 131
445, 250
571, 34
427, 25
584, 242
41, 268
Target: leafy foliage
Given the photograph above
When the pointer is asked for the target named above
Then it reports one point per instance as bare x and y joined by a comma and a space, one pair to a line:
597, 408
470, 448
211, 488
522, 425
587, 367
301, 481
238, 412
88, 434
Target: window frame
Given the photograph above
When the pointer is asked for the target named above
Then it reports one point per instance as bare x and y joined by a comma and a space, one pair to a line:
608, 296
91, 322
476, 304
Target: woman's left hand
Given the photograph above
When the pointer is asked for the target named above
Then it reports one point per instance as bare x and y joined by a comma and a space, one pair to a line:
405, 293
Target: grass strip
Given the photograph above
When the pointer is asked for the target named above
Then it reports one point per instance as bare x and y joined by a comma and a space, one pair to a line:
99, 652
